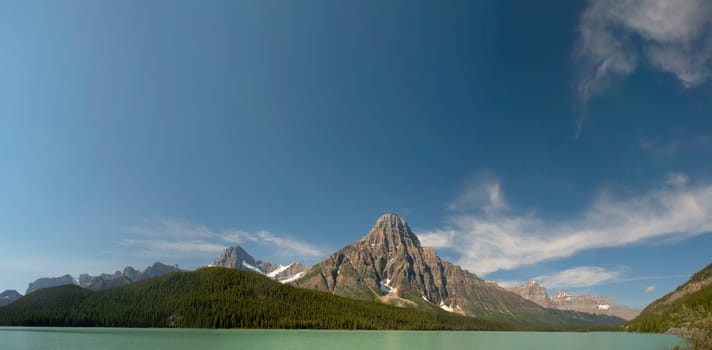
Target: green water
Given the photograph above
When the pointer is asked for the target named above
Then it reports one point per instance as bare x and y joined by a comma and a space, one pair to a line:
199, 339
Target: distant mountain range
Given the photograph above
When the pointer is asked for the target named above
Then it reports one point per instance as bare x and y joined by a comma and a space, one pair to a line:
563, 300
104, 281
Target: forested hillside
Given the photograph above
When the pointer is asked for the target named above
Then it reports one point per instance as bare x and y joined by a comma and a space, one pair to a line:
219, 298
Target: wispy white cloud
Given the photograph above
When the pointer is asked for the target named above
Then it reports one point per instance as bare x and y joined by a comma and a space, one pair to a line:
168, 237
483, 192
299, 247
661, 149
171, 248
509, 283
577, 277
677, 179
650, 289
487, 242
671, 35
586, 276
171, 227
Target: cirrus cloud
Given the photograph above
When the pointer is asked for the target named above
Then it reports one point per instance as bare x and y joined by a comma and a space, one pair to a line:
582, 276
175, 238
488, 242
673, 36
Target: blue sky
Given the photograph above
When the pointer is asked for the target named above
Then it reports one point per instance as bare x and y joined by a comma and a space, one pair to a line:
568, 143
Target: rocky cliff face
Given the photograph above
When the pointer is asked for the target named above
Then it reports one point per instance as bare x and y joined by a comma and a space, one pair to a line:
8, 297
238, 258
390, 264
533, 291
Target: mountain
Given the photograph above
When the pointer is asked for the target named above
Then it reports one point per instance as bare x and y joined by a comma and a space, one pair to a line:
687, 308
288, 273
129, 275
219, 298
390, 265
238, 258
564, 300
9, 296
595, 304
48, 282
104, 281
533, 291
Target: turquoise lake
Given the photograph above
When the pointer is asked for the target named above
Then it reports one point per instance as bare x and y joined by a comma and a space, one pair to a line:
200, 339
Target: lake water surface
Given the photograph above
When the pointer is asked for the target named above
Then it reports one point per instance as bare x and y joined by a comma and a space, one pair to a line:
200, 339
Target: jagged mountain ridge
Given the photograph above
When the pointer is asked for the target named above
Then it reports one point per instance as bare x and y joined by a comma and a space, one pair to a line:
563, 300
104, 281
237, 258
129, 275
390, 264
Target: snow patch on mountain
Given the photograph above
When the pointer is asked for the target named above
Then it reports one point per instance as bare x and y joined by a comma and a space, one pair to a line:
386, 287
278, 270
253, 268
293, 278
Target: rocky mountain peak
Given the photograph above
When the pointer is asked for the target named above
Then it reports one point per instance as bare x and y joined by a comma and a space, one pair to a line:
10, 293
237, 258
533, 291
390, 264
391, 233
9, 296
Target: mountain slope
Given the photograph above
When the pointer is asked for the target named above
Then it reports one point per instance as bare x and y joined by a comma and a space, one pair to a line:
689, 305
686, 311
218, 298
390, 265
